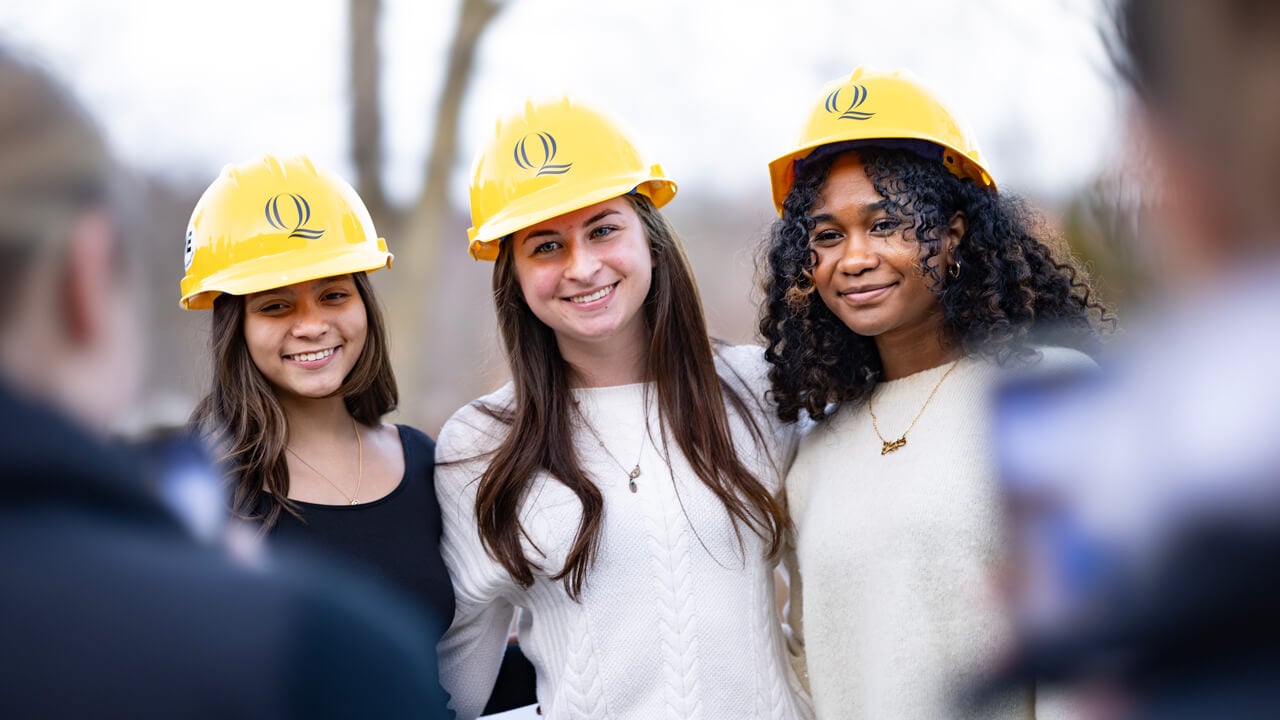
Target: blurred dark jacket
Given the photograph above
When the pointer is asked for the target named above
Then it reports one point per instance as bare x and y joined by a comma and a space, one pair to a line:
110, 608
1146, 505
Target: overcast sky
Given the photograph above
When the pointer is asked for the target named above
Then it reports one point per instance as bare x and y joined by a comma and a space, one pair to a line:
714, 88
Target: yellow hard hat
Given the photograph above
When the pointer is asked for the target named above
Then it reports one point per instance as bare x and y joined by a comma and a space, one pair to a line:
874, 105
553, 157
270, 223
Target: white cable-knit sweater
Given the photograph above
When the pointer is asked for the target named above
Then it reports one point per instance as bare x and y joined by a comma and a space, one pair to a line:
897, 551
674, 620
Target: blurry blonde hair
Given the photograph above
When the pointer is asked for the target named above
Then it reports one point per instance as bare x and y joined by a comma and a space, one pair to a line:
54, 166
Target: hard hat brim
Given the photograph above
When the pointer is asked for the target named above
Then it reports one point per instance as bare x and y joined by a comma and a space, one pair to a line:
532, 210
782, 169
277, 271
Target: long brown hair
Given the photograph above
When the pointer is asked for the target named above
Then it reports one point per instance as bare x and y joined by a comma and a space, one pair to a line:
691, 397
243, 417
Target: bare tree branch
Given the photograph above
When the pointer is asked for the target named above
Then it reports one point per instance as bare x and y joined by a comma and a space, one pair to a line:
416, 322
473, 19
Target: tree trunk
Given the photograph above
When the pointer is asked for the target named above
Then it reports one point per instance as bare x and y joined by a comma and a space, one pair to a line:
413, 291
366, 109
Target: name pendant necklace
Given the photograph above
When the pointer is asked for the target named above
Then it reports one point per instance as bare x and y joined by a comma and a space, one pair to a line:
889, 446
634, 472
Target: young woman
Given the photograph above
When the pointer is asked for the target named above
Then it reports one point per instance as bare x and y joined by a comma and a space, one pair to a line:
899, 283
622, 488
279, 249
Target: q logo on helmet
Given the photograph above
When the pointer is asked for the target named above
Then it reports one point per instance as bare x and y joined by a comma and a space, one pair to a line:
295, 223
834, 106
544, 164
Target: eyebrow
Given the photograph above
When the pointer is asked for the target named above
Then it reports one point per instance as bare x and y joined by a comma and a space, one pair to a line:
280, 292
863, 210
258, 300
590, 221
600, 216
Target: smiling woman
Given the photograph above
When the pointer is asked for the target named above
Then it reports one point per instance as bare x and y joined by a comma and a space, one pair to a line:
868, 273
279, 250
622, 490
301, 377
899, 286
586, 275
305, 338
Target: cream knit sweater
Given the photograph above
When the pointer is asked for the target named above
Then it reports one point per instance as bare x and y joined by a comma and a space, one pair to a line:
897, 551
675, 620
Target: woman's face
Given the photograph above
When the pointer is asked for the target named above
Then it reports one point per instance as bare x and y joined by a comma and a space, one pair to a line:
586, 275
306, 337
868, 267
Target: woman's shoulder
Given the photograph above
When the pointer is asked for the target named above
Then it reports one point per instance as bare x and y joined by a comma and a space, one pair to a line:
745, 365
416, 443
477, 427
1058, 359
740, 356
745, 371
1032, 358
412, 435
1047, 361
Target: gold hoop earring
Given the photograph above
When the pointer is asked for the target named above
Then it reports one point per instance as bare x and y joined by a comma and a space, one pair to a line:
954, 270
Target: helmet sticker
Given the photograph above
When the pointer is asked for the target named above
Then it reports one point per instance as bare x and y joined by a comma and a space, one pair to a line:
544, 163
189, 251
835, 107
295, 223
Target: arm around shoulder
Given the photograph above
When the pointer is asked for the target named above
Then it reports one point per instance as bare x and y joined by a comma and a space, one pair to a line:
471, 650
745, 370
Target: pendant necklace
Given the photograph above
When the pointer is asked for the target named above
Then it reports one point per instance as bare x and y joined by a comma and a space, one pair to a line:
889, 446
351, 499
634, 472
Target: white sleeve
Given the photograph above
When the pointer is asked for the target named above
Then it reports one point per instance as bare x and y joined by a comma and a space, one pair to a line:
744, 368
793, 613
471, 650
471, 654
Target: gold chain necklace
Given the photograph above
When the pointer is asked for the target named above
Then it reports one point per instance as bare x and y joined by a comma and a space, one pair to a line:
634, 472
888, 446
351, 499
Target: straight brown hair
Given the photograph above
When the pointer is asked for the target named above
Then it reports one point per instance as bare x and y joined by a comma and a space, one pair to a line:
691, 399
243, 418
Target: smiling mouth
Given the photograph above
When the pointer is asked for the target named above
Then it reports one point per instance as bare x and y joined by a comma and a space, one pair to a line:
593, 296
866, 293
311, 356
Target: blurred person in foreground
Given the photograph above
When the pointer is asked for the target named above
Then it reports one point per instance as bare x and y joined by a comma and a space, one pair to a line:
110, 608
1148, 503
900, 287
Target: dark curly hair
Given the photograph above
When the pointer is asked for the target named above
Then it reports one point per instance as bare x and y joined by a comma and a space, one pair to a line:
1013, 291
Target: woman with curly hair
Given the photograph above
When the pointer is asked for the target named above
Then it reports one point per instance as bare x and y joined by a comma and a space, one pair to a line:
899, 285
